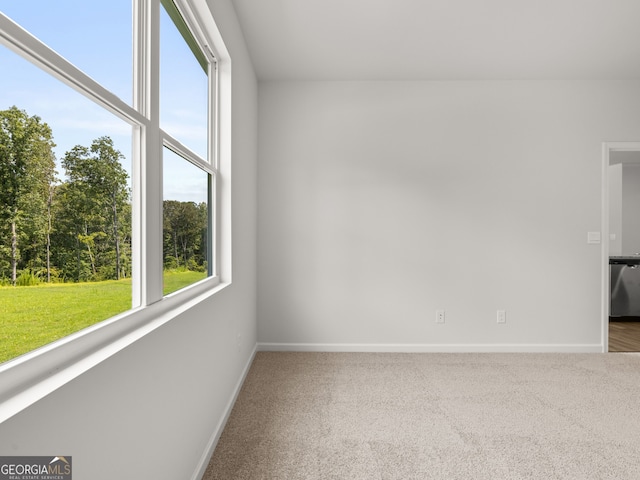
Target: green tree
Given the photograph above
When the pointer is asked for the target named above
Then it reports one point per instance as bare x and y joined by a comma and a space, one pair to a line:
68, 211
203, 224
27, 171
95, 210
183, 225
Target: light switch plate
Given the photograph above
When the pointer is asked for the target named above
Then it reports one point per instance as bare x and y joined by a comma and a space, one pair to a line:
593, 237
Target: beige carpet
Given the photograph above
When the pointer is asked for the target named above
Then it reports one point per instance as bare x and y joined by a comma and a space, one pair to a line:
434, 416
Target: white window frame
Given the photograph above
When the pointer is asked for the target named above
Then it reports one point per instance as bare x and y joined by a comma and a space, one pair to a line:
210, 164
27, 378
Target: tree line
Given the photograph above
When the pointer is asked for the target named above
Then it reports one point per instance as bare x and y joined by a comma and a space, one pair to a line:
77, 229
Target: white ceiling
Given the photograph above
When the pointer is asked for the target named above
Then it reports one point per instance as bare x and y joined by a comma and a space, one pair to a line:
442, 39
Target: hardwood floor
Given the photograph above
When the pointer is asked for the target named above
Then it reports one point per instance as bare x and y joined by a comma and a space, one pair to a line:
624, 336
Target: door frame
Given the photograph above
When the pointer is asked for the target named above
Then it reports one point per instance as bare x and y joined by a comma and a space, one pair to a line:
607, 149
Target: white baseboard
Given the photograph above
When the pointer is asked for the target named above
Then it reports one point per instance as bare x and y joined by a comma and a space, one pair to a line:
429, 348
215, 436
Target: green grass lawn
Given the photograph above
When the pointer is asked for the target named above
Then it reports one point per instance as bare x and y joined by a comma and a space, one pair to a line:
174, 280
31, 317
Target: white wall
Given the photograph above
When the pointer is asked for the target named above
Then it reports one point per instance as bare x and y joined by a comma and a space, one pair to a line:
380, 202
150, 411
630, 209
615, 209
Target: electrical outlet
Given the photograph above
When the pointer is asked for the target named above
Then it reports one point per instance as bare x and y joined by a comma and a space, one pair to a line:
439, 316
239, 341
502, 316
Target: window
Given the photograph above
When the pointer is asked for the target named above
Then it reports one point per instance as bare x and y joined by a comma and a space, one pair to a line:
188, 170
184, 83
185, 224
87, 171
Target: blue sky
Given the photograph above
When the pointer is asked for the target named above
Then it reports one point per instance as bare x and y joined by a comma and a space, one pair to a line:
96, 37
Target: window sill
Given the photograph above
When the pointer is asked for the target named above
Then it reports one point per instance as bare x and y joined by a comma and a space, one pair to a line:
28, 378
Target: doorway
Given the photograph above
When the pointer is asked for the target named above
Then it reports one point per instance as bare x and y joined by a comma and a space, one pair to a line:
621, 246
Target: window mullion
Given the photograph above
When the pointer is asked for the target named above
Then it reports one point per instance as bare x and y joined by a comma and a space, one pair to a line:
151, 160
179, 148
141, 42
140, 103
214, 92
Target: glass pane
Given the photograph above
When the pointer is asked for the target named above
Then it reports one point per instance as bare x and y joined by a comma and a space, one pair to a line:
183, 89
65, 210
185, 222
94, 36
